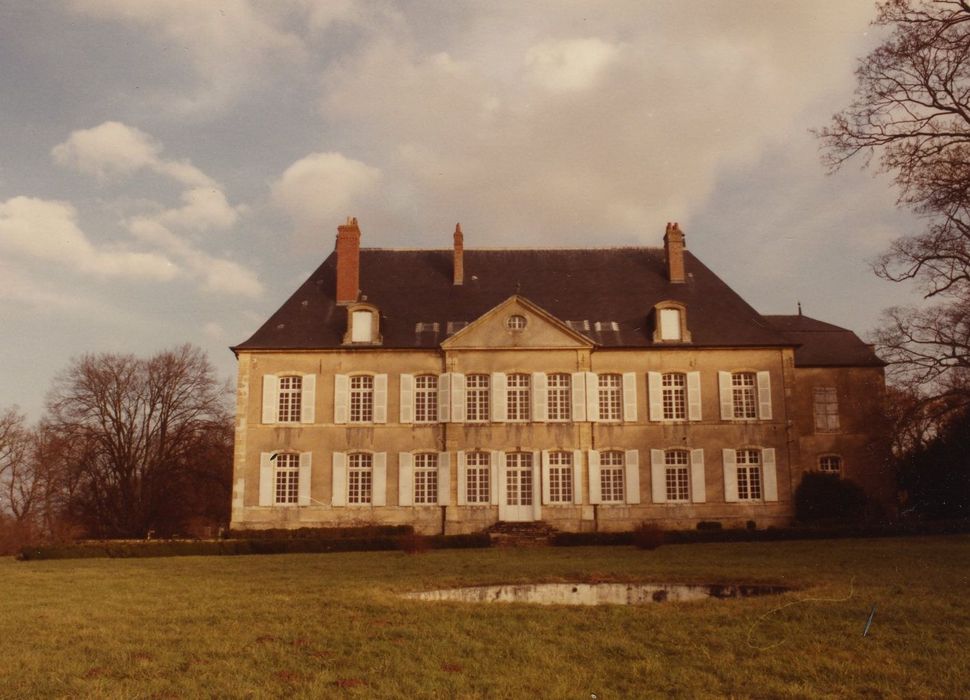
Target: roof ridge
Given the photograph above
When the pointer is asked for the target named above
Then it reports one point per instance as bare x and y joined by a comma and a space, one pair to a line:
516, 248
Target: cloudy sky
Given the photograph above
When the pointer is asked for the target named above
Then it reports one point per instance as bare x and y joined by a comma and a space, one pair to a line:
171, 170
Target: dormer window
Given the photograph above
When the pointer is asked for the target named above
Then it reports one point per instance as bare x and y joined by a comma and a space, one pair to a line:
670, 323
362, 325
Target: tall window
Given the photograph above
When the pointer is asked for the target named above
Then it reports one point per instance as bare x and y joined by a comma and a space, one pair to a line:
675, 466
560, 397
826, 409
287, 478
519, 486
674, 396
360, 476
744, 395
426, 399
290, 393
611, 396
361, 399
560, 477
670, 324
477, 482
518, 397
830, 464
611, 477
476, 398
426, 478
749, 475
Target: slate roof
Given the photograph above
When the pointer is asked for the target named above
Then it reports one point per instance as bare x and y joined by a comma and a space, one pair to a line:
822, 344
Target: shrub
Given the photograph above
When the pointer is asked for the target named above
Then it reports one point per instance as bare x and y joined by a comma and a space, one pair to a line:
413, 543
709, 525
822, 498
647, 536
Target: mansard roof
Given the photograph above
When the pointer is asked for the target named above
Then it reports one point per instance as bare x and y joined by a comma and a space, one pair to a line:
607, 294
821, 344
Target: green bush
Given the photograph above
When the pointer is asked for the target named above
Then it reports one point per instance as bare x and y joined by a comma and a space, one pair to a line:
825, 498
648, 536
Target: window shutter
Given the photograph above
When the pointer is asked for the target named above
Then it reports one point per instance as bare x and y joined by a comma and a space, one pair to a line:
407, 398
770, 473
444, 398
500, 397
730, 476
578, 385
595, 486
405, 479
457, 398
444, 478
655, 395
536, 480
339, 479
271, 400
693, 396
764, 396
698, 481
540, 397
380, 398
727, 397
498, 468
378, 495
545, 477
577, 477
462, 478
632, 469
658, 476
341, 398
495, 458
629, 396
265, 479
592, 397
308, 399
303, 479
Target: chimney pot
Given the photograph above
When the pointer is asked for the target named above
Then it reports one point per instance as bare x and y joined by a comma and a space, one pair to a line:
348, 261
459, 256
674, 253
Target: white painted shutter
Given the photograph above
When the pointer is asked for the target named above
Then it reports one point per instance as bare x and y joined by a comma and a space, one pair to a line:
658, 476
444, 478
339, 479
303, 479
595, 486
540, 397
698, 481
498, 482
379, 483
592, 397
770, 473
308, 399
764, 396
727, 397
632, 470
578, 385
405, 479
577, 477
457, 398
341, 398
545, 477
730, 475
265, 479
407, 398
629, 396
693, 396
380, 398
271, 400
500, 397
655, 395
536, 480
444, 398
495, 457
462, 478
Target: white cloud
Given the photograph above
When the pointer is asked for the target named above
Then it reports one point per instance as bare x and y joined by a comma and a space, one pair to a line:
569, 65
322, 188
205, 208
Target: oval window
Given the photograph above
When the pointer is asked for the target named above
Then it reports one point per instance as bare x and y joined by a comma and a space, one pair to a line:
515, 322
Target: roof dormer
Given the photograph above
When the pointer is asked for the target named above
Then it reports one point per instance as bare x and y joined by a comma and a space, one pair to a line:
363, 325
670, 322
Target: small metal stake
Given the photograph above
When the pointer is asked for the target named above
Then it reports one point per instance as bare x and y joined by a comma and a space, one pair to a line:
872, 614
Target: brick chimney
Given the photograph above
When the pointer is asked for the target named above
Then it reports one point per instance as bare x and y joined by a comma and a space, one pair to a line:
348, 261
459, 256
674, 253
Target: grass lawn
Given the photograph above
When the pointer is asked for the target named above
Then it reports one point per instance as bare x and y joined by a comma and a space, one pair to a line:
331, 625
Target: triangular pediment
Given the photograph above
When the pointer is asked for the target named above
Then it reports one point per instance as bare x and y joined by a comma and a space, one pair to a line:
497, 328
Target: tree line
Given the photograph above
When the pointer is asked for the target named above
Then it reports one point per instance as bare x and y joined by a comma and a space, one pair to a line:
127, 447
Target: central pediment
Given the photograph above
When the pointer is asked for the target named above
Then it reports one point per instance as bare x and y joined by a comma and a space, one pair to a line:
517, 323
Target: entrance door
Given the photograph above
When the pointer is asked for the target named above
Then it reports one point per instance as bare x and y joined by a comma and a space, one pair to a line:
519, 489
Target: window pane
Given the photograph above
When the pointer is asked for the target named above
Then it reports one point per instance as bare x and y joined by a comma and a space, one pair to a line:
610, 397
426, 399
560, 396
674, 390
361, 399
744, 396
670, 324
362, 331
477, 482
290, 395
518, 403
287, 478
476, 398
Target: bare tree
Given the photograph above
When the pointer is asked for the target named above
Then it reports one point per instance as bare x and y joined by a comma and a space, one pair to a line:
17, 491
912, 112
